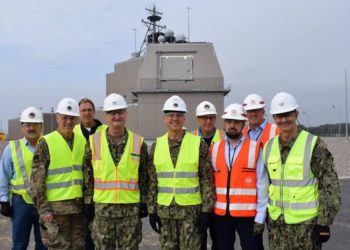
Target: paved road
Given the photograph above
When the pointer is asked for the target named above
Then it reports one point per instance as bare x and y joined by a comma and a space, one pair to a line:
340, 229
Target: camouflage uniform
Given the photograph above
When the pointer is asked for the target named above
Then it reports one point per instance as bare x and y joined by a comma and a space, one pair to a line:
300, 236
179, 230
68, 218
116, 222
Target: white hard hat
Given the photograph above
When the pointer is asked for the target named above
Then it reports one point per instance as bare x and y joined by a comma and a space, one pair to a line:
175, 103
253, 101
114, 102
68, 106
205, 108
234, 111
32, 115
283, 103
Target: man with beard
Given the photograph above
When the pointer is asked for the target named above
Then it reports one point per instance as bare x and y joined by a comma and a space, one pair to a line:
239, 184
303, 195
15, 170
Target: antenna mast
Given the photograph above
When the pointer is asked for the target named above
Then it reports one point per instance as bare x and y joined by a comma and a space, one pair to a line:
152, 26
346, 105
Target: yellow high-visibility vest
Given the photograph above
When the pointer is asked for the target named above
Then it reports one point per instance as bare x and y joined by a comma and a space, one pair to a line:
293, 191
77, 129
218, 136
182, 181
116, 184
22, 159
64, 175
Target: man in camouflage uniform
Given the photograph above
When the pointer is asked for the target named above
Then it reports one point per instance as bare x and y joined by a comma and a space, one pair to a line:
304, 194
181, 191
56, 181
116, 180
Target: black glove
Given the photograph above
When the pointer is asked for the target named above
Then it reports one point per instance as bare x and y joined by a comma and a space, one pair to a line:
143, 210
322, 234
89, 211
257, 229
6, 209
203, 221
155, 222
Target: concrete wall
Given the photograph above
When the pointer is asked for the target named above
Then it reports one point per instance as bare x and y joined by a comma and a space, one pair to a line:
124, 79
140, 77
206, 69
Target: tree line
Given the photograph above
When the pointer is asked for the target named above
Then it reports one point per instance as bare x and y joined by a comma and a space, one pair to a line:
337, 129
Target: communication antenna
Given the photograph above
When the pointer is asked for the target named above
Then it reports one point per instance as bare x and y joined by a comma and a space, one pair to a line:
188, 23
134, 39
346, 105
153, 29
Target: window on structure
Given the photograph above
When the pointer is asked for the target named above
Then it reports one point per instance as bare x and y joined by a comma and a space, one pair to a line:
175, 68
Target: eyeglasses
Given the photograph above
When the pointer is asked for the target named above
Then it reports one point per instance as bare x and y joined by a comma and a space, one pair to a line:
210, 118
116, 112
174, 115
28, 125
86, 110
285, 115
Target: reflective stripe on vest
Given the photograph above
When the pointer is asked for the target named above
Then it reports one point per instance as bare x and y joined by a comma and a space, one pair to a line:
77, 129
64, 175
293, 191
270, 131
237, 206
22, 159
116, 184
182, 181
273, 130
241, 191
251, 155
219, 136
295, 206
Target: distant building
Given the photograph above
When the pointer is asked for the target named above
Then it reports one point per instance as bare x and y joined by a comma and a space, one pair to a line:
169, 65
190, 70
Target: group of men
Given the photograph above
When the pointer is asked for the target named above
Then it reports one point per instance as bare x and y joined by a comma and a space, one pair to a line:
88, 185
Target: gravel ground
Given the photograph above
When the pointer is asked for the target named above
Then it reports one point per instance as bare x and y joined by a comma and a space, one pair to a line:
340, 149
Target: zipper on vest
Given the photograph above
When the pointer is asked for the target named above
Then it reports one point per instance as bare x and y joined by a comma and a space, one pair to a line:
229, 179
228, 192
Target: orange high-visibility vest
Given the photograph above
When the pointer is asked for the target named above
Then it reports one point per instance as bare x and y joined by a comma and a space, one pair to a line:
241, 190
270, 131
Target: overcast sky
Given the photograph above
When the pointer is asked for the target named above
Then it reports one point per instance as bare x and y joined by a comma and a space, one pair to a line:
53, 49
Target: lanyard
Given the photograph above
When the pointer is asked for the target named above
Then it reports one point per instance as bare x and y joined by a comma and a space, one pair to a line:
231, 159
